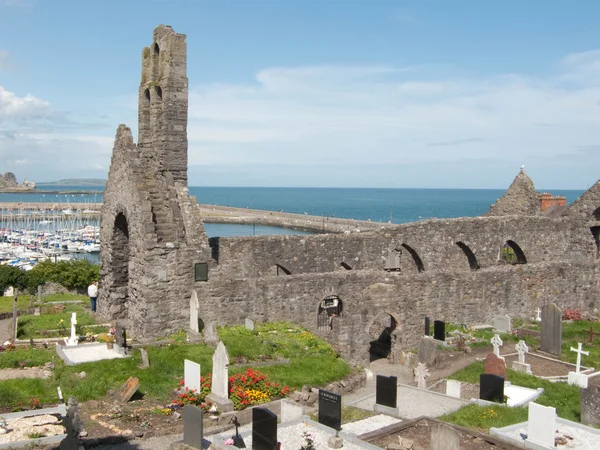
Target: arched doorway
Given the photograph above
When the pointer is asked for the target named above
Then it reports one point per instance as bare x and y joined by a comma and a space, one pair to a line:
330, 307
118, 289
383, 331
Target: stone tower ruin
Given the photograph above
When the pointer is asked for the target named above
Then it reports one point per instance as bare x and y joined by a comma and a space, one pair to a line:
151, 235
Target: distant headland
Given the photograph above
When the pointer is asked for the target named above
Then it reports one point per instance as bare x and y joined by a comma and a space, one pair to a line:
74, 182
9, 183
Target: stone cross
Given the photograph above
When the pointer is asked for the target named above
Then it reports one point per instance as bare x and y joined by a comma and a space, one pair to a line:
73, 339
522, 348
497, 343
592, 333
538, 318
220, 378
421, 373
194, 307
579, 352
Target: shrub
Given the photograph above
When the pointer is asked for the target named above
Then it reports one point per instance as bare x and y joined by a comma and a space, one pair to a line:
571, 314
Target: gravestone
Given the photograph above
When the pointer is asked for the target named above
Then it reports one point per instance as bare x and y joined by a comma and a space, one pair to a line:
129, 389
193, 430
577, 378
220, 380
541, 425
194, 307
502, 324
264, 429
520, 365
551, 341
330, 409
494, 365
439, 330
497, 343
15, 315
145, 361
444, 437
290, 411
73, 426
39, 295
590, 403
386, 391
427, 352
120, 336
191, 375
453, 388
427, 326
421, 375
491, 388
211, 335
249, 323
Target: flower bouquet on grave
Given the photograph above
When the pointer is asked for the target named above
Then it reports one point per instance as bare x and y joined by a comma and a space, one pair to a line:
309, 441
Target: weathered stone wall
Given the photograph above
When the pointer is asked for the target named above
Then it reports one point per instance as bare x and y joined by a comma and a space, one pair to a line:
520, 198
463, 297
434, 241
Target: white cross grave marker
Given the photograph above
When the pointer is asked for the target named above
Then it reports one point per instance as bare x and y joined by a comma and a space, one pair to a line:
73, 340
538, 318
579, 352
497, 343
522, 348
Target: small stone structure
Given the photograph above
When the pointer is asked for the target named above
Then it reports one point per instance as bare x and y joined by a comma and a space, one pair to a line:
155, 255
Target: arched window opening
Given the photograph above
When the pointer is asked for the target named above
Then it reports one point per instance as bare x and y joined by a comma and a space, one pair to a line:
473, 264
596, 214
329, 308
416, 257
511, 253
345, 266
156, 49
120, 249
147, 95
159, 92
596, 233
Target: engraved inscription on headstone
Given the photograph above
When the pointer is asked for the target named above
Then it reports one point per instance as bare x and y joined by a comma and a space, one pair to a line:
386, 391
551, 340
491, 388
264, 429
192, 426
439, 330
330, 409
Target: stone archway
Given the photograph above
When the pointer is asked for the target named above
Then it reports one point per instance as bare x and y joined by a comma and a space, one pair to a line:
118, 279
384, 331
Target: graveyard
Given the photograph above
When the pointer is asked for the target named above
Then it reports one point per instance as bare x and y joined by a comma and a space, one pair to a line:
480, 381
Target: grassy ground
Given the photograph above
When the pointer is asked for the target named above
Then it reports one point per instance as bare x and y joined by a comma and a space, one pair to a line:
31, 357
6, 303
36, 327
313, 363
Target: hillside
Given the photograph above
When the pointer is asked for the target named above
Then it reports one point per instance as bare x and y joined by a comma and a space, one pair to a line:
9, 183
74, 182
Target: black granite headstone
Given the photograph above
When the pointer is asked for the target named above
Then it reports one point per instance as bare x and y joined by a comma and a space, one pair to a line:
264, 429
439, 330
386, 391
427, 326
192, 426
491, 388
330, 409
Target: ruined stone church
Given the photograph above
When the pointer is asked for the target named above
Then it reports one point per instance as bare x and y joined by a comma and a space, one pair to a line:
160, 273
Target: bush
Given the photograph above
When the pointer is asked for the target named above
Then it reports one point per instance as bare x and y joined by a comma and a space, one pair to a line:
571, 314
12, 276
77, 274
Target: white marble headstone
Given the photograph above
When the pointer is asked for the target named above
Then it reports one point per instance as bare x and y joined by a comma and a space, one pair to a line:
194, 307
249, 324
220, 375
453, 388
421, 375
191, 375
541, 425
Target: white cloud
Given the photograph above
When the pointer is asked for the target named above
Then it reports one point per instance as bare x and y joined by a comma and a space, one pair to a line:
358, 115
13, 107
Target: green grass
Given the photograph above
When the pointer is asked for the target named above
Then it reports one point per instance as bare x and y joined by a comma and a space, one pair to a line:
349, 414
316, 364
31, 326
561, 396
25, 300
32, 357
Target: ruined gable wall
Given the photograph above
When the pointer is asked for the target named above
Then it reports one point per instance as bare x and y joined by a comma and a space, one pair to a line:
467, 297
540, 238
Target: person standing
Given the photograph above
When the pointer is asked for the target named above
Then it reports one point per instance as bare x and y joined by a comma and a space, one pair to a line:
93, 294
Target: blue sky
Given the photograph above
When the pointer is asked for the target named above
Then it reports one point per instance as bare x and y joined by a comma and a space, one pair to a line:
345, 93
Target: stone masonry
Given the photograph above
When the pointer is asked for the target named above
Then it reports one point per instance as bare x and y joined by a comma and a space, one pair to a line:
379, 284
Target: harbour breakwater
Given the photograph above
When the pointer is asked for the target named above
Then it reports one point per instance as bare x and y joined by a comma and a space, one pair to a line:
208, 213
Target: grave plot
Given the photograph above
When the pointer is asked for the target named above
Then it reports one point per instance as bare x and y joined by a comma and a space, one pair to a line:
542, 366
422, 432
27, 428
